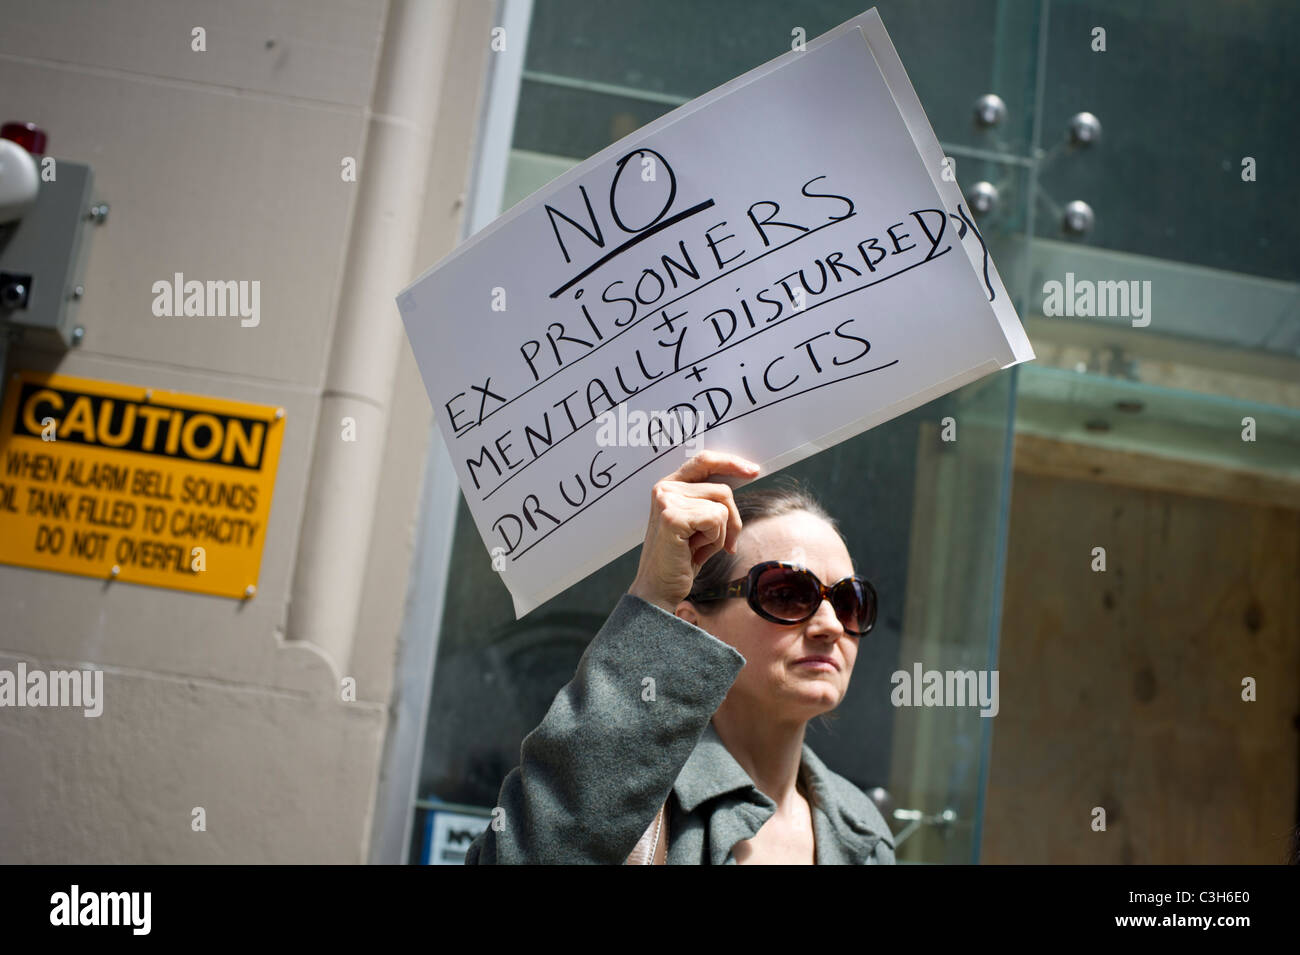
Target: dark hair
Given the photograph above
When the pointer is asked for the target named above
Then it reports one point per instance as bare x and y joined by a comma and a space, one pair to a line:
785, 496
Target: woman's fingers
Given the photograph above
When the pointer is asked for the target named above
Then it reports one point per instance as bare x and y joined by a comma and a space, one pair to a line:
708, 531
691, 519
706, 463
722, 494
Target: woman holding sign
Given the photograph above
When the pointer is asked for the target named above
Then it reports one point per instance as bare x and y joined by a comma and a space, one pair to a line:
680, 737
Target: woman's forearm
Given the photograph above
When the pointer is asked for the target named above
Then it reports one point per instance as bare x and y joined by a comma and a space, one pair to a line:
596, 770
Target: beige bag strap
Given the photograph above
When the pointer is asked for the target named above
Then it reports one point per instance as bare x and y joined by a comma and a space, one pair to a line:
652, 847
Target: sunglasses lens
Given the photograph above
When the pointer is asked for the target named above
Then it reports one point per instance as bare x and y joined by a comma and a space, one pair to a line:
787, 594
853, 605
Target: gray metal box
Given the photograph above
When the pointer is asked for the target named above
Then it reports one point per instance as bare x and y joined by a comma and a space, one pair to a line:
46, 251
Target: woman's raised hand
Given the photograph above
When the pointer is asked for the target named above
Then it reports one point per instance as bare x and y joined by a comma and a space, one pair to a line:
690, 521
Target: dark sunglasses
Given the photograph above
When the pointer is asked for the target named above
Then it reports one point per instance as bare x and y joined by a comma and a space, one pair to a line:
788, 593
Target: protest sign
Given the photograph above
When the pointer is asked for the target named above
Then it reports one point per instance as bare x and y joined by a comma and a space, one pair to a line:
767, 270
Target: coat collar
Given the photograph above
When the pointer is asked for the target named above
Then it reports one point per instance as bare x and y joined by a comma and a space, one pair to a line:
712, 771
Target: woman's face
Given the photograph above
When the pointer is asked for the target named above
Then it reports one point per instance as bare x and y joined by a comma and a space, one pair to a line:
777, 670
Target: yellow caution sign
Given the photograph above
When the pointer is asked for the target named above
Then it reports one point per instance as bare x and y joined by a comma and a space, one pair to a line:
136, 484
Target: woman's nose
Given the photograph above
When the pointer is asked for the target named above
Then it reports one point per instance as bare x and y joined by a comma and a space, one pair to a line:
825, 622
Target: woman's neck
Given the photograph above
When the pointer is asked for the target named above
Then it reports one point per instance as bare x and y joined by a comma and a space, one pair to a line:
770, 752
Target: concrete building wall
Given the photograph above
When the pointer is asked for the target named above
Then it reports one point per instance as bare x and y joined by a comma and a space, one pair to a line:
226, 164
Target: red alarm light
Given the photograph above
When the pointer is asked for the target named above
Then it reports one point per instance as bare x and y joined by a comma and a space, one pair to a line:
28, 135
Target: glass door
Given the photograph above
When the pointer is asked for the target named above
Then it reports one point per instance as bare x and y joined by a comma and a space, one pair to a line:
1160, 420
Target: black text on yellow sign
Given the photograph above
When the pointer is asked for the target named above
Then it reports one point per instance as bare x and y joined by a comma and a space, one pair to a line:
140, 485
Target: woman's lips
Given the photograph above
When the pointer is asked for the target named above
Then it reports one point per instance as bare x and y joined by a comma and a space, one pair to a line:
818, 663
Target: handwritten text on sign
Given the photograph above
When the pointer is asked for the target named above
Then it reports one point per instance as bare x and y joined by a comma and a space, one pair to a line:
771, 272
173, 490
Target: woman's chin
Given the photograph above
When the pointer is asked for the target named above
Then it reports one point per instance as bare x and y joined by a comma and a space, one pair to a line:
821, 695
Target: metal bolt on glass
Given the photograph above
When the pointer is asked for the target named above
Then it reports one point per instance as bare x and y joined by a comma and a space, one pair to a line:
1085, 129
990, 110
1078, 218
983, 197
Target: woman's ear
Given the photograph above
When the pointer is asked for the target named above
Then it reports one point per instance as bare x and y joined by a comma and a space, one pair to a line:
686, 610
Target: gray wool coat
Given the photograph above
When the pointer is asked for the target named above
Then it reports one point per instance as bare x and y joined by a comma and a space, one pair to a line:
614, 746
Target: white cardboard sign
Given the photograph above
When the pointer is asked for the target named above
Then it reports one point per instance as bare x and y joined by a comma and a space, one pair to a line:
768, 270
